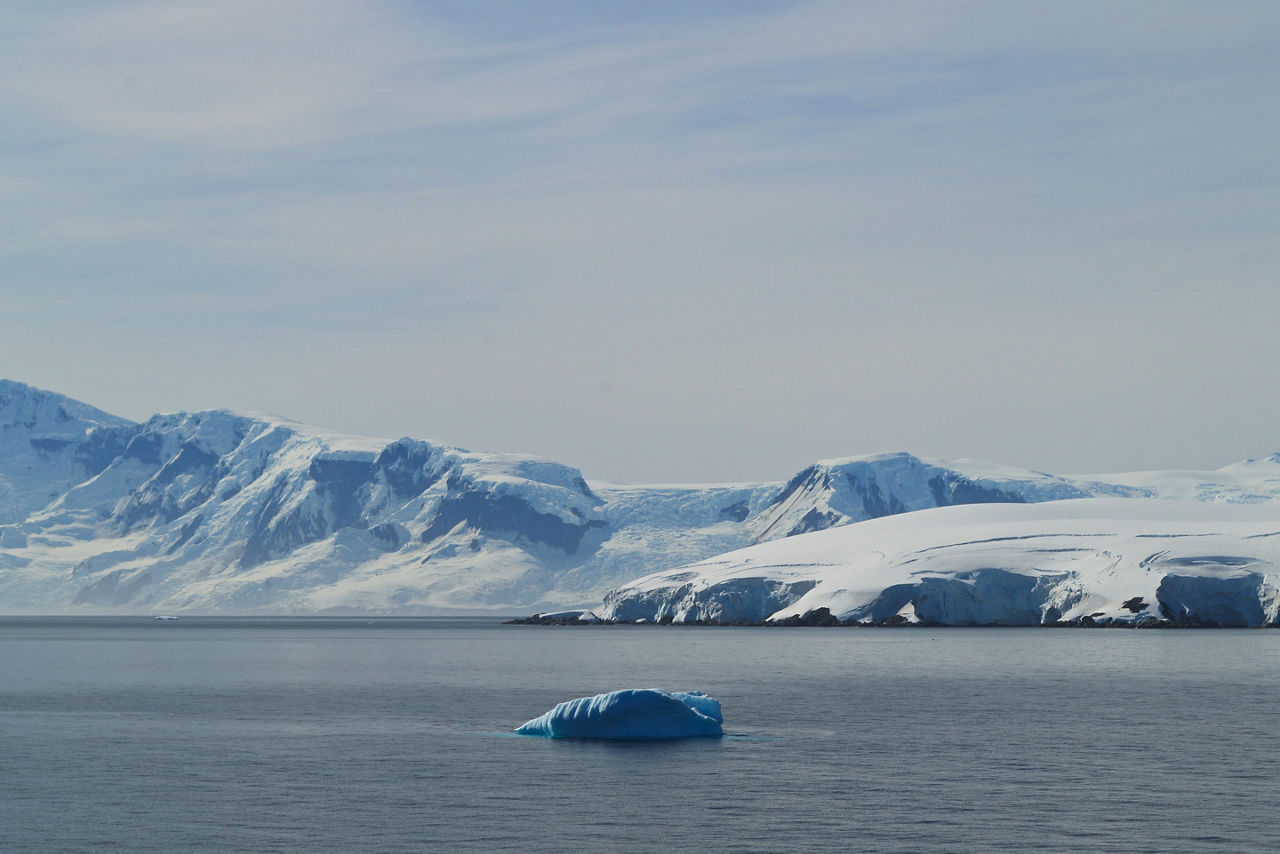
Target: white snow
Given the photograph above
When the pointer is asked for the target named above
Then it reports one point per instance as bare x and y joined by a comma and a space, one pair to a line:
37, 459
1249, 482
218, 511
991, 564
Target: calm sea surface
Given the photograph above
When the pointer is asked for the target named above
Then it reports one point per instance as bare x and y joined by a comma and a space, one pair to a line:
395, 735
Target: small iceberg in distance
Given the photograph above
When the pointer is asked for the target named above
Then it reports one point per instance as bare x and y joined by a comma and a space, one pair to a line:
635, 713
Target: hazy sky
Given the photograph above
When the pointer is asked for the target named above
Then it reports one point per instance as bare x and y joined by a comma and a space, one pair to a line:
661, 240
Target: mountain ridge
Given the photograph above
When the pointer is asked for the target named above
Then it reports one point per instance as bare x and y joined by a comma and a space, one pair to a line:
216, 511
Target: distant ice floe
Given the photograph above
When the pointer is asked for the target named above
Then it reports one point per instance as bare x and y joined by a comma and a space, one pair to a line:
635, 713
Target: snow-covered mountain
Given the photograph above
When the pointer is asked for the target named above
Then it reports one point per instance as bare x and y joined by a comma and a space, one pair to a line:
220, 512
836, 492
214, 511
48, 444
1089, 561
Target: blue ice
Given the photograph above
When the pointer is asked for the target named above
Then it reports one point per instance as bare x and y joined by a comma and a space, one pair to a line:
635, 713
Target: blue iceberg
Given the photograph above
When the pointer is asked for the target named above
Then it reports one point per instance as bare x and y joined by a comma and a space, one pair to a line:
636, 713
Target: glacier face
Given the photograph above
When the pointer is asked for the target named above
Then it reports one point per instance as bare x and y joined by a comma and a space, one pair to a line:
220, 512
1084, 561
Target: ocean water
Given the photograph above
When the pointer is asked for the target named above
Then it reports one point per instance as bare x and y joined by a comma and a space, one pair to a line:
395, 735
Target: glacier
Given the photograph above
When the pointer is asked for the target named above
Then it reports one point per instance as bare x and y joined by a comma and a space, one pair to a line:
1096, 561
221, 512
635, 714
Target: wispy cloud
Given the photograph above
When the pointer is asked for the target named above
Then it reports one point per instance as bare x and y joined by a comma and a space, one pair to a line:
845, 214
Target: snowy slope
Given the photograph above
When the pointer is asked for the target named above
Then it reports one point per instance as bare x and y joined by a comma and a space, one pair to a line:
1079, 561
1248, 482
837, 492
48, 443
216, 511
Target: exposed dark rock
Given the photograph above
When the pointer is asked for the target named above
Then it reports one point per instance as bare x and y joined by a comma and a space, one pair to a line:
388, 536
509, 514
814, 520
269, 537
554, 620
101, 447
951, 488
738, 511
811, 476
49, 446
154, 501
873, 500
144, 448
817, 617
581, 486
407, 466
188, 530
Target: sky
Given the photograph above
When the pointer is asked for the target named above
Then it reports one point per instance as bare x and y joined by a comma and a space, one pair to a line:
659, 241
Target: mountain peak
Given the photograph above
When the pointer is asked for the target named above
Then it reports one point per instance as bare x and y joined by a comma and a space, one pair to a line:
25, 406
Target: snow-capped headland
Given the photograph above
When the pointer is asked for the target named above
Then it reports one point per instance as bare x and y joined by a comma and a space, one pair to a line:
1103, 561
219, 512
